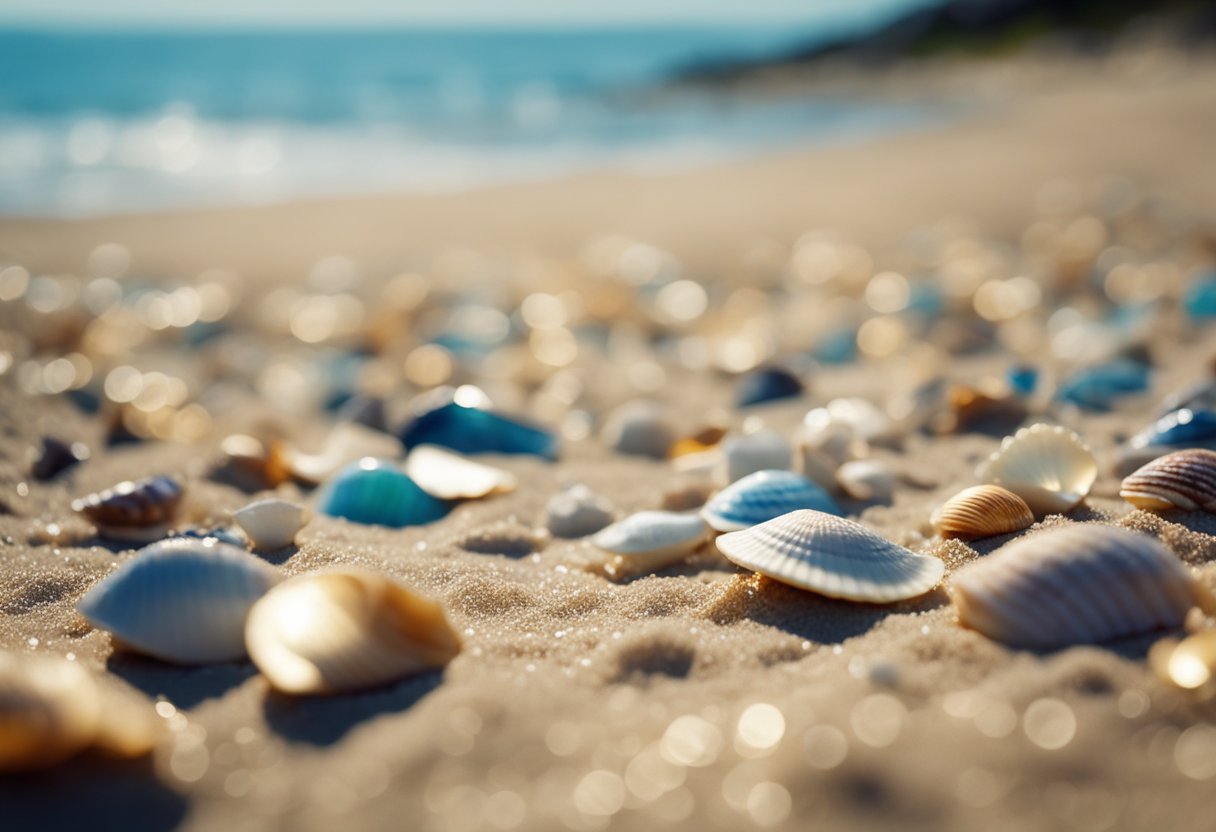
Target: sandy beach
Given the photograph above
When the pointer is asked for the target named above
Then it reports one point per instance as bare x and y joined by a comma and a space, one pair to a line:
700, 697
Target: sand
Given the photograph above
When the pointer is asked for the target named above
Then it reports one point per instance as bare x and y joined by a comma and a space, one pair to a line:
698, 698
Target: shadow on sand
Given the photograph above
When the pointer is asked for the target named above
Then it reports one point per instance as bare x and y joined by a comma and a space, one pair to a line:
184, 686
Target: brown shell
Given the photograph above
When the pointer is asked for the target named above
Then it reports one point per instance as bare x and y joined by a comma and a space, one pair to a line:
983, 511
1182, 480
132, 504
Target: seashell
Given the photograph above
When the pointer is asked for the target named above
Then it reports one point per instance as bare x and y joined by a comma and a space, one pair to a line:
180, 600
650, 540
365, 410
1200, 298
762, 496
766, 384
1188, 664
832, 556
139, 511
1182, 480
866, 419
345, 630
375, 492
577, 512
835, 441
817, 467
1097, 388
347, 442
459, 419
55, 457
979, 408
450, 476
983, 511
867, 479
49, 711
1199, 395
707, 438
1185, 427
639, 429
1022, 379
1047, 466
271, 524
249, 464
763, 450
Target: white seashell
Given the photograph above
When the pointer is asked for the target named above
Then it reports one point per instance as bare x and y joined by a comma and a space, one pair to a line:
1047, 466
865, 419
346, 630
49, 711
450, 476
832, 556
639, 428
650, 540
1080, 584
346, 443
577, 512
182, 600
762, 496
867, 479
751, 452
271, 524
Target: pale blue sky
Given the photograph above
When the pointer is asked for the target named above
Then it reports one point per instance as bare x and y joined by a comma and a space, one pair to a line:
404, 12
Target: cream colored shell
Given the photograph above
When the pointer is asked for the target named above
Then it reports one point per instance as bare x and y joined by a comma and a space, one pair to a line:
650, 540
271, 524
1047, 466
983, 511
450, 476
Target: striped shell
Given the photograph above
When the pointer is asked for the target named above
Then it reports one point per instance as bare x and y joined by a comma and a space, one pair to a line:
832, 556
1047, 466
762, 496
983, 511
1181, 480
450, 476
271, 524
182, 600
650, 540
346, 630
138, 510
1080, 584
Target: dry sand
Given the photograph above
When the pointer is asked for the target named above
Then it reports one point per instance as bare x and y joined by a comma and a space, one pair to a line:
574, 695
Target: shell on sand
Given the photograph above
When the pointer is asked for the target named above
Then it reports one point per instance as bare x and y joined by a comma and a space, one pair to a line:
650, 540
762, 496
762, 450
346, 443
49, 711
182, 600
1080, 584
1047, 466
983, 511
832, 556
577, 511
1181, 480
271, 524
866, 479
346, 630
639, 428
376, 492
139, 510
450, 476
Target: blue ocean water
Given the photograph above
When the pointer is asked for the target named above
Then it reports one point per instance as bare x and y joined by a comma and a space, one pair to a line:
104, 121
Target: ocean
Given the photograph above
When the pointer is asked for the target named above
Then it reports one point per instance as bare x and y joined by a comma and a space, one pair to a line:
102, 121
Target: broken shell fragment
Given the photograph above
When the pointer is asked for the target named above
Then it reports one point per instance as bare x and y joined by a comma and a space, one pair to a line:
271, 524
133, 511
983, 511
1182, 480
450, 476
1047, 466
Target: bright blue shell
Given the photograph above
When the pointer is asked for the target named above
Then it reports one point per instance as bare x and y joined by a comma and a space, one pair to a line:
378, 493
1184, 427
471, 430
762, 496
767, 384
1200, 298
1097, 388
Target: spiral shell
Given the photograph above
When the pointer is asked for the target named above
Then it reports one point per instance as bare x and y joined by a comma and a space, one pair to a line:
140, 510
1080, 584
1047, 466
1182, 480
762, 496
983, 511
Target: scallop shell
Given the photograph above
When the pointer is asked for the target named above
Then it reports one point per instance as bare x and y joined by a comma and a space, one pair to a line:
140, 510
49, 710
983, 511
1181, 480
346, 630
866, 479
1047, 466
181, 600
271, 524
832, 556
450, 476
762, 496
577, 512
651, 540
640, 429
1080, 584
347, 442
763, 450
375, 492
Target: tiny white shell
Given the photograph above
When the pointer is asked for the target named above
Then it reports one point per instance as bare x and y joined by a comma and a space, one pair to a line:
346, 443
577, 512
181, 600
639, 428
866, 479
271, 524
49, 711
832, 556
751, 452
1047, 466
650, 540
450, 476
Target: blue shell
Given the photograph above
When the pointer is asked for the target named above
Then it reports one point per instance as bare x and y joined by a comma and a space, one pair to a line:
1022, 379
767, 384
762, 496
1097, 388
1200, 298
1184, 428
378, 493
472, 430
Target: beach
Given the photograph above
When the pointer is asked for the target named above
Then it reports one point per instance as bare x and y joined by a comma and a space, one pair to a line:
701, 697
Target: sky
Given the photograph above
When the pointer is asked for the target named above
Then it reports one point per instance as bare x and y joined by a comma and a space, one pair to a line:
122, 13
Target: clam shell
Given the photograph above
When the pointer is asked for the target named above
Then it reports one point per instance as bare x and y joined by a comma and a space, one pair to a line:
375, 492
763, 450
577, 512
650, 540
640, 429
450, 476
1181, 480
762, 496
1080, 584
832, 556
49, 710
181, 600
345, 630
1047, 466
983, 511
138, 510
271, 524
348, 442
866, 479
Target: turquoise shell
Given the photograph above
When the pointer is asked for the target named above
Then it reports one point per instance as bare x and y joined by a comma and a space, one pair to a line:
378, 493
762, 496
440, 420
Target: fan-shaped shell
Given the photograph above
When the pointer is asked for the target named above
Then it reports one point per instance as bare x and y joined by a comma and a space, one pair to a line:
762, 450
983, 511
1047, 466
1080, 584
1181, 480
762, 496
650, 540
450, 476
139, 510
49, 711
577, 512
181, 600
271, 524
346, 630
832, 556
375, 492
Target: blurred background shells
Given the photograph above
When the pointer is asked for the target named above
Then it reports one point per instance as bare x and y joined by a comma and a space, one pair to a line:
376, 492
983, 511
1048, 466
1183, 480
577, 511
762, 496
639, 428
1187, 664
867, 479
347, 442
767, 384
449, 476
133, 510
49, 711
271, 524
748, 453
460, 419
56, 456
